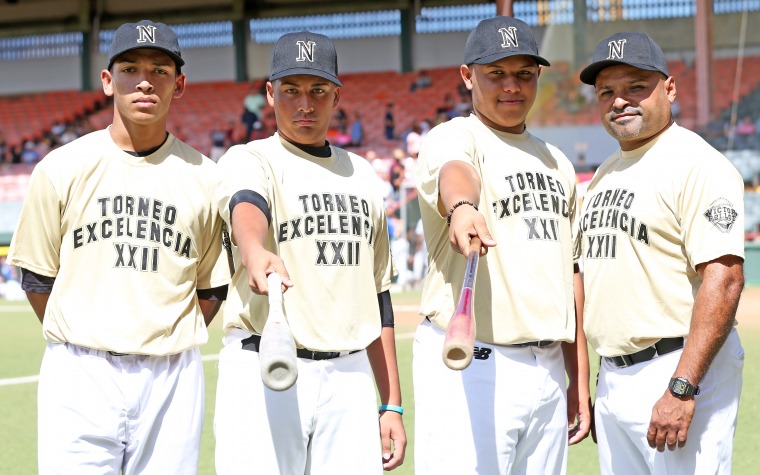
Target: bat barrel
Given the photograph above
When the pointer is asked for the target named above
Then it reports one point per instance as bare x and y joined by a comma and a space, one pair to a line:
277, 354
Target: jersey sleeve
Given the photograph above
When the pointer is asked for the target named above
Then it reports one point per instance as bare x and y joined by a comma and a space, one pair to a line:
712, 211
36, 244
384, 267
213, 268
239, 169
442, 145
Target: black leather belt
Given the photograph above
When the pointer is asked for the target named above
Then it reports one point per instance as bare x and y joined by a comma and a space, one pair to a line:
662, 347
253, 342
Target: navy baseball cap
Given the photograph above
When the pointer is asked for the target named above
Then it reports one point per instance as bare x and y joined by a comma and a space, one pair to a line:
305, 53
145, 34
631, 48
499, 37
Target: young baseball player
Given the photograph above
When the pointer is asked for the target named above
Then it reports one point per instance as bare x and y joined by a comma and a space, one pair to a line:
662, 235
314, 214
485, 175
119, 242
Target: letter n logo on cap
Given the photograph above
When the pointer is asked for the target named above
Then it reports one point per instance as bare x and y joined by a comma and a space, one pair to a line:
305, 50
146, 34
616, 49
508, 37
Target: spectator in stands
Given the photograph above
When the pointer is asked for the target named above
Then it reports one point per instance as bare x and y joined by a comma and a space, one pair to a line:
422, 81
11, 289
396, 173
69, 135
400, 252
463, 107
744, 133
341, 120
14, 154
419, 264
357, 131
221, 140
390, 123
448, 105
414, 141
3, 148
253, 104
29, 154
7, 271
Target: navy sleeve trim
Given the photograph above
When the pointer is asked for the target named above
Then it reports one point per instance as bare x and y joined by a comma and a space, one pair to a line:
249, 196
217, 294
37, 283
386, 309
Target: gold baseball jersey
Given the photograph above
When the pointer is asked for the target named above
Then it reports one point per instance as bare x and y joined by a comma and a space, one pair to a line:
650, 216
128, 240
524, 285
328, 226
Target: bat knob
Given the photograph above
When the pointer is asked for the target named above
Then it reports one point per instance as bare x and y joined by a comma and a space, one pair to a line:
281, 375
457, 357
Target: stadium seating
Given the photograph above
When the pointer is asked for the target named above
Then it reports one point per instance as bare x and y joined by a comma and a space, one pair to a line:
31, 116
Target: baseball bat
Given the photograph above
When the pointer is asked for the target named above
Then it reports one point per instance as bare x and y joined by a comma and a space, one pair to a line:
460, 334
277, 350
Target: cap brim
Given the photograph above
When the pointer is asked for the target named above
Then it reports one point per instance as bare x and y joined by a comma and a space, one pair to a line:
505, 54
589, 73
307, 71
177, 59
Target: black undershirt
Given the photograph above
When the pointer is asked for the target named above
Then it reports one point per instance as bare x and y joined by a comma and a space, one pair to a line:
149, 151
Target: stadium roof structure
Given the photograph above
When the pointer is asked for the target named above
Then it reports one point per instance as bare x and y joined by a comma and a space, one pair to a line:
30, 17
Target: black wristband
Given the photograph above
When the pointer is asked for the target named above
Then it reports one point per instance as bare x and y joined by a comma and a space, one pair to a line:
457, 205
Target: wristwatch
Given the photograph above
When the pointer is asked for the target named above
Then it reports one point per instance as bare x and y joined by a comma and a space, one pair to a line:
681, 387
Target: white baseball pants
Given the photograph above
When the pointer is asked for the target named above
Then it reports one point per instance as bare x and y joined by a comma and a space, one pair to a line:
506, 413
325, 424
623, 408
104, 414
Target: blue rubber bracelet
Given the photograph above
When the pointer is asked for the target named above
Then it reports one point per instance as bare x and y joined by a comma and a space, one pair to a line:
391, 407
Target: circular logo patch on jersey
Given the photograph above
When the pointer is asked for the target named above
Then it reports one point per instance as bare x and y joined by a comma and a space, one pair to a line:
721, 214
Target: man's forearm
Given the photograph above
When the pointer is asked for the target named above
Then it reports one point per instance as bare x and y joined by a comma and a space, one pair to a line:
382, 358
713, 316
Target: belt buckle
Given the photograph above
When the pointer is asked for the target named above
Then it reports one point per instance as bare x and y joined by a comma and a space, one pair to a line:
623, 361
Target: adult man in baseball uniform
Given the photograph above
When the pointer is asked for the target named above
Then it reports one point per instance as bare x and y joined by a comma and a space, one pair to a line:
662, 234
314, 214
485, 175
121, 263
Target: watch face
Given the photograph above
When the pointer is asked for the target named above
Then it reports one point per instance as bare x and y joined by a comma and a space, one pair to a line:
679, 386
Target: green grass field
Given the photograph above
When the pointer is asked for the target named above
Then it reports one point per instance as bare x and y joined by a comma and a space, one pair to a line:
21, 347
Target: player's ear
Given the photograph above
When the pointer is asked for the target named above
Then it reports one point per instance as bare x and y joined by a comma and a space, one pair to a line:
670, 88
107, 79
179, 85
270, 93
466, 72
337, 97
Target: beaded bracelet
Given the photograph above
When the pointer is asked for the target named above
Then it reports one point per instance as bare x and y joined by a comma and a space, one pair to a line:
391, 407
457, 205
